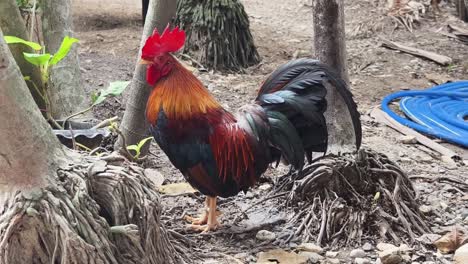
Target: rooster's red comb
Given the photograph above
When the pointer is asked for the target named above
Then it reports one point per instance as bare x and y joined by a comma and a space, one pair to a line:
168, 41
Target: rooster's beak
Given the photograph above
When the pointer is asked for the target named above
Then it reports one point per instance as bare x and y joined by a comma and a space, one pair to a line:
142, 61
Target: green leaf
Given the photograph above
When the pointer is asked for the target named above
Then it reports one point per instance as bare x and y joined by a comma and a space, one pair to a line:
15, 40
114, 89
94, 97
37, 59
63, 50
136, 149
376, 196
143, 142
27, 78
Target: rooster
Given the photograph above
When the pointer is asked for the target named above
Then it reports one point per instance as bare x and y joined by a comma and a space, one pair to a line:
220, 153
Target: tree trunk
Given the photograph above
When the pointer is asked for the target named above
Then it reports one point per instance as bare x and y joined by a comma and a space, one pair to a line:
462, 9
57, 207
134, 126
66, 91
13, 25
329, 35
330, 48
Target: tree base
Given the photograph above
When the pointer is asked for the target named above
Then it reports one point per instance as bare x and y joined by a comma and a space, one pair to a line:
343, 199
107, 212
218, 33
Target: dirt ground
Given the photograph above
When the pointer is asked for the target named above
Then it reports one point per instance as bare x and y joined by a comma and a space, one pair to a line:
110, 32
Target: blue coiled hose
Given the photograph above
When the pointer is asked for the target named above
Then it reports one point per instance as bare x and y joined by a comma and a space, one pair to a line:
441, 111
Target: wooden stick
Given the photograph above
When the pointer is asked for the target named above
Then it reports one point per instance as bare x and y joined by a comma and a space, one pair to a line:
458, 30
384, 118
440, 59
460, 33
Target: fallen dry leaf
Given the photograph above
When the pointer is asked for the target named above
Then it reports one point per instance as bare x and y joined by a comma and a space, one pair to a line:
450, 241
281, 257
155, 176
177, 188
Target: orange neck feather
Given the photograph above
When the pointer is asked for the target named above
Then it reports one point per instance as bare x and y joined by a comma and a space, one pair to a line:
180, 95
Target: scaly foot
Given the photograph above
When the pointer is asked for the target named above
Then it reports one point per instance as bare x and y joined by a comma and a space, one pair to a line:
201, 220
206, 228
208, 221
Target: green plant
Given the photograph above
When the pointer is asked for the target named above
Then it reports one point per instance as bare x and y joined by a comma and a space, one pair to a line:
45, 61
24, 4
137, 148
114, 89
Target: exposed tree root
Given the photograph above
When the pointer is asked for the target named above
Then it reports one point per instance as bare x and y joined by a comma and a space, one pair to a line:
103, 213
343, 199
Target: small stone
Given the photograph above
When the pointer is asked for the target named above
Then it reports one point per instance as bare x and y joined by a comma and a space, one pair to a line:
357, 253
310, 247
425, 209
242, 255
406, 258
443, 205
390, 256
312, 256
332, 261
331, 254
408, 140
385, 246
405, 248
367, 247
265, 235
265, 187
361, 261
461, 255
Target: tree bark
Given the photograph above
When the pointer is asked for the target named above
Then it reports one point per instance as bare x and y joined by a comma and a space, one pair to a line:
462, 8
330, 48
329, 35
134, 126
66, 91
13, 25
27, 145
57, 207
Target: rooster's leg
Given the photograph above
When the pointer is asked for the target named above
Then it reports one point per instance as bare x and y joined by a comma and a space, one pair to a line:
203, 218
212, 222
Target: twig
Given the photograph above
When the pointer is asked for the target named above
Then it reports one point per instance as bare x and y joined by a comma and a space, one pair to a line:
200, 66
33, 15
322, 224
77, 114
105, 123
92, 152
123, 150
440, 59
